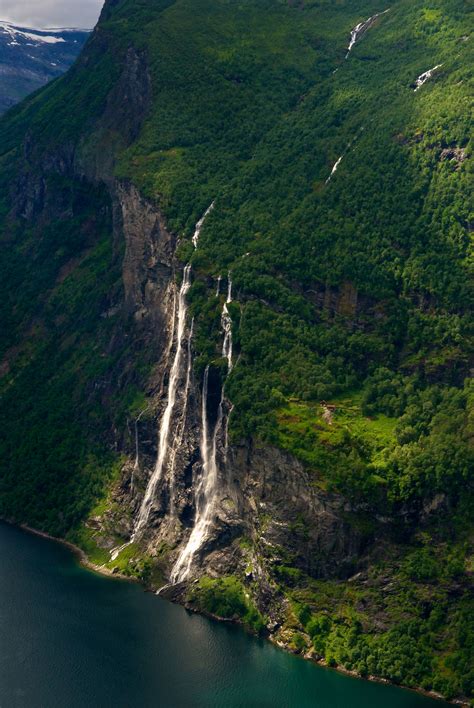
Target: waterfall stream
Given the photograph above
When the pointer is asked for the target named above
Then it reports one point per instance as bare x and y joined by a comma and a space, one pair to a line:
208, 485
166, 451
426, 76
339, 160
171, 438
226, 324
360, 29
204, 494
175, 373
181, 427
334, 169
200, 224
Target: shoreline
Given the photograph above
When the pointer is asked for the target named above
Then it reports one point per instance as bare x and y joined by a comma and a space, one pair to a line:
78, 552
85, 562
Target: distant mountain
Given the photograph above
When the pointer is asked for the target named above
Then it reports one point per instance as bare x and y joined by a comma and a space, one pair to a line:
29, 58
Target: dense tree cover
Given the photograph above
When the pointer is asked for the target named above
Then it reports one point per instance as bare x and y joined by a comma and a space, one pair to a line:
352, 312
391, 228
226, 598
60, 279
399, 621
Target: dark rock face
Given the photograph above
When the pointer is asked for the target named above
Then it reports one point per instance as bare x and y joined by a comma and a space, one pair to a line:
308, 523
148, 262
123, 115
128, 103
29, 58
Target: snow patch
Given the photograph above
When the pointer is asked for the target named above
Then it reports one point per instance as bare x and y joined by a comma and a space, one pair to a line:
16, 32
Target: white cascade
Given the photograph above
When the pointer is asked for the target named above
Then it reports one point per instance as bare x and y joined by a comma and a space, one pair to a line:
219, 280
226, 324
338, 162
426, 76
205, 493
176, 368
164, 437
173, 384
181, 427
361, 29
334, 169
208, 486
200, 224
115, 552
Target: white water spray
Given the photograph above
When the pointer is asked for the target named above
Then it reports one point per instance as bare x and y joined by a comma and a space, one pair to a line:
173, 384
226, 324
208, 486
200, 224
360, 29
334, 169
205, 493
179, 436
426, 76
146, 505
115, 552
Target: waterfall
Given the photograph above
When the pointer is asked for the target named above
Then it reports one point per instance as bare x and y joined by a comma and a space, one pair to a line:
205, 493
360, 29
200, 224
226, 324
173, 387
426, 76
179, 436
349, 145
208, 486
170, 404
334, 169
115, 552
218, 291
227, 328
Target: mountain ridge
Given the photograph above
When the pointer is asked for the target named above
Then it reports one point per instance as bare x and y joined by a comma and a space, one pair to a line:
340, 419
30, 57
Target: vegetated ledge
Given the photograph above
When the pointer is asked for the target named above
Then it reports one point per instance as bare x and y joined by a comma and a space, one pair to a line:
177, 594
78, 552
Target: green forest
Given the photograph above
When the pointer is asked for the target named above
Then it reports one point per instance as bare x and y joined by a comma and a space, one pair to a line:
353, 292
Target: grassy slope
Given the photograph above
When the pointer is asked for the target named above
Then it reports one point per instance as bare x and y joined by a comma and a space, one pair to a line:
247, 110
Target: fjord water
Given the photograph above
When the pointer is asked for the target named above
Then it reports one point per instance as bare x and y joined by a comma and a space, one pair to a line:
72, 639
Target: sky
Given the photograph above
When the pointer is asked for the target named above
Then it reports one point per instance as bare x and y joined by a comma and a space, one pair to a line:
51, 13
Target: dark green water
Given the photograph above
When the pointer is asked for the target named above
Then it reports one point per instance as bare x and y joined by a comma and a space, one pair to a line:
72, 639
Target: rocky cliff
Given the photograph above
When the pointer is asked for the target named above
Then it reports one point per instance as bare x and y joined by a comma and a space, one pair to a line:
235, 372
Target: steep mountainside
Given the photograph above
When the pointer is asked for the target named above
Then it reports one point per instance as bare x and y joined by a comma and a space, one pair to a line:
236, 324
29, 58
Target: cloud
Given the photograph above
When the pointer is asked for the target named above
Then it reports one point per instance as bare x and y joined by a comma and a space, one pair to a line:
51, 13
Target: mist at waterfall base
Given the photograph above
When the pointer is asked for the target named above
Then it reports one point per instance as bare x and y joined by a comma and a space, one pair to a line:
70, 638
